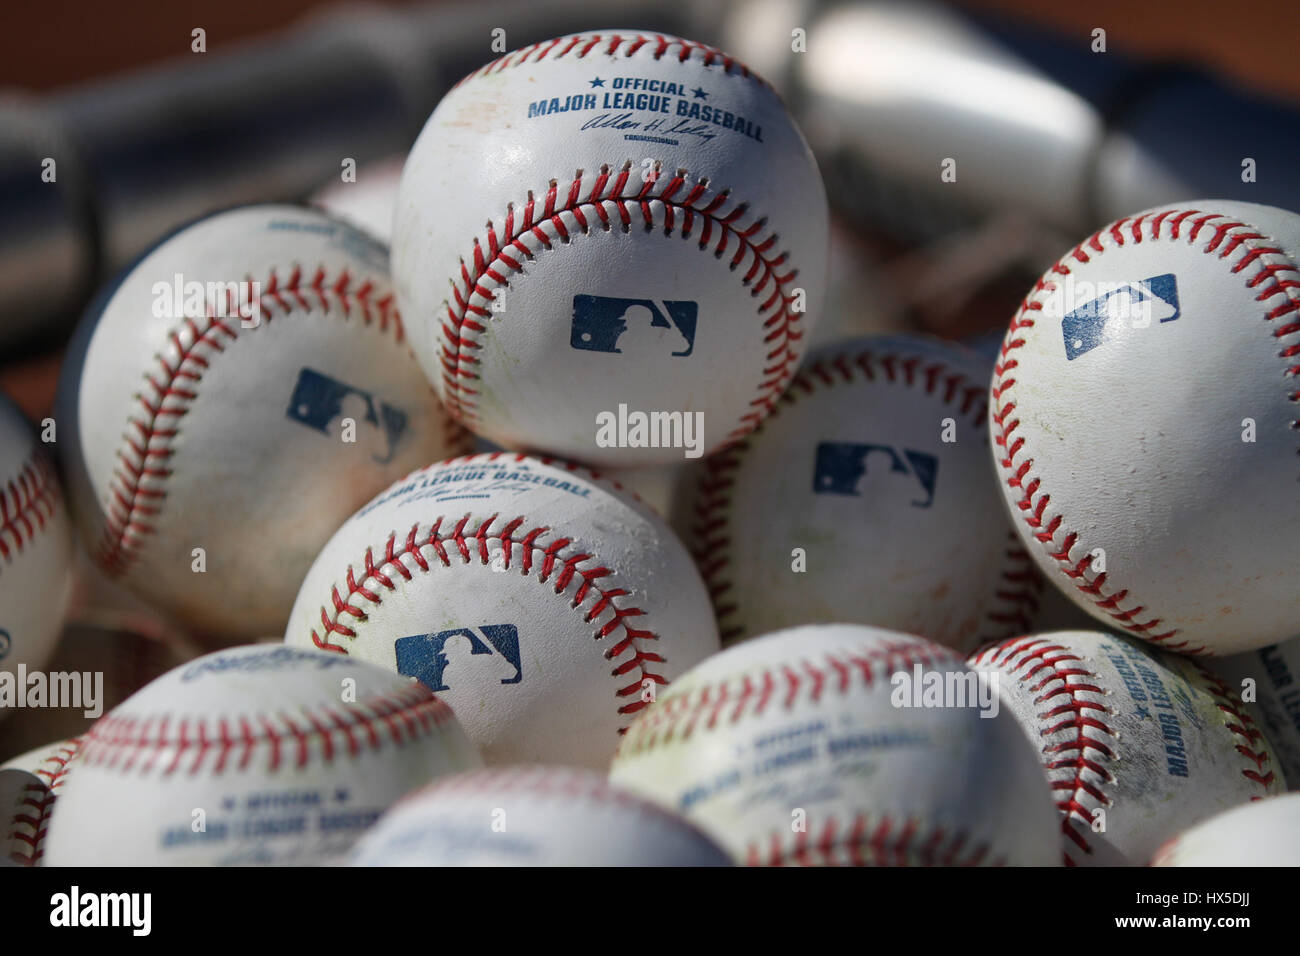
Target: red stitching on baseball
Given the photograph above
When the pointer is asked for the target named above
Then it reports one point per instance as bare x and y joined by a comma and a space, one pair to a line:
27, 502
610, 44
499, 256
1249, 738
189, 745
676, 718
135, 496
1051, 668
1058, 672
870, 840
1228, 239
29, 828
703, 708
1021, 585
438, 546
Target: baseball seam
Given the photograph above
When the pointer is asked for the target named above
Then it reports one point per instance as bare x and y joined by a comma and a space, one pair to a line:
1230, 240
1237, 721
1068, 761
1015, 599
610, 198
871, 840
1064, 673
172, 744
137, 490
865, 838
28, 502
580, 46
30, 824
675, 718
549, 557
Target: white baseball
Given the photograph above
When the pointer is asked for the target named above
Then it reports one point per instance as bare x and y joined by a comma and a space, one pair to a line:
256, 754
1263, 833
609, 219
29, 786
540, 601
1274, 697
35, 550
1146, 421
802, 747
866, 496
367, 201
533, 816
1138, 743
248, 436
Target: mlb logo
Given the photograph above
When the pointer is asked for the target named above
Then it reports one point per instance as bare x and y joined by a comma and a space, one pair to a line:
840, 468
1130, 303
599, 322
319, 399
429, 657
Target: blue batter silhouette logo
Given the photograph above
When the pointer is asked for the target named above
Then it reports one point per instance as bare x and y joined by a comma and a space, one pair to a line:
431, 658
318, 400
841, 467
1100, 320
599, 324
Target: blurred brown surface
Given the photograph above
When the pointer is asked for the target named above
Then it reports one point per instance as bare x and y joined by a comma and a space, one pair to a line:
46, 45
1252, 42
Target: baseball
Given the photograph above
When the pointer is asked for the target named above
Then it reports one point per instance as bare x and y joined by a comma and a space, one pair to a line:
1268, 681
532, 816
1144, 416
840, 744
610, 247
239, 392
29, 785
1263, 833
35, 555
1138, 743
545, 605
257, 754
865, 496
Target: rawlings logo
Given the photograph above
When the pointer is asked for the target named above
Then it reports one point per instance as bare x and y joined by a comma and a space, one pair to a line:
600, 321
840, 468
424, 656
1100, 318
318, 400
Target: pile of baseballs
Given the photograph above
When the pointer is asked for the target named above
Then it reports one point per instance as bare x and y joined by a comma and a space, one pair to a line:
894, 604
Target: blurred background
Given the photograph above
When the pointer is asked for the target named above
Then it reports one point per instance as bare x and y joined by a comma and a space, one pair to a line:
119, 121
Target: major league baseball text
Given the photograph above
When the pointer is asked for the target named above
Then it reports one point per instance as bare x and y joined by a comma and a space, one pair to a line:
260, 754
658, 243
799, 747
542, 602
1138, 743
